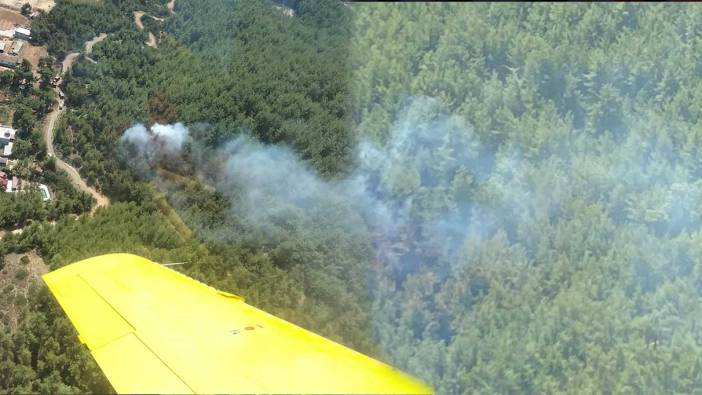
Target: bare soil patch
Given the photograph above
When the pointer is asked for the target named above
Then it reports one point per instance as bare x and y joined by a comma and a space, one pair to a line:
9, 19
33, 54
44, 5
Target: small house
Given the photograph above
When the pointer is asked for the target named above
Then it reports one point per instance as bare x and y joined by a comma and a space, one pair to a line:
13, 184
6, 135
22, 33
7, 150
8, 61
16, 47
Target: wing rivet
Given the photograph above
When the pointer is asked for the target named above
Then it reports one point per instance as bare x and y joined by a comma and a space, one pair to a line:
249, 328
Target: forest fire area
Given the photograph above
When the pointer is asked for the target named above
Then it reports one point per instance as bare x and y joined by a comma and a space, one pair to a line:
401, 254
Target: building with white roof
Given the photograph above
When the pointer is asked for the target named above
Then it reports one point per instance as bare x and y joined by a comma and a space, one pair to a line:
7, 151
8, 60
7, 134
22, 33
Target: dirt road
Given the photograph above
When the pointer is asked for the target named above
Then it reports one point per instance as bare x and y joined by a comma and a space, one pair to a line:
68, 62
138, 15
50, 125
90, 44
73, 174
171, 7
152, 41
137, 20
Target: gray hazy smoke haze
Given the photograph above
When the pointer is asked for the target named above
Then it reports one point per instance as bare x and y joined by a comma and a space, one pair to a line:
433, 191
397, 187
433, 183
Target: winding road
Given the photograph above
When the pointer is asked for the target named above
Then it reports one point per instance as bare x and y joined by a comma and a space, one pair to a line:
50, 125
140, 25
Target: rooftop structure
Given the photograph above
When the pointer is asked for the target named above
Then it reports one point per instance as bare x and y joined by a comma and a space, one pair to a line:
23, 33
8, 60
16, 47
6, 134
7, 151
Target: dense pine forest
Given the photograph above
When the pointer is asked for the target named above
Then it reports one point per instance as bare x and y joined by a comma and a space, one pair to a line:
496, 198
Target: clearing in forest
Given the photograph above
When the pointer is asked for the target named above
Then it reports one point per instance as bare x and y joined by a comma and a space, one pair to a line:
33, 54
19, 273
9, 19
44, 5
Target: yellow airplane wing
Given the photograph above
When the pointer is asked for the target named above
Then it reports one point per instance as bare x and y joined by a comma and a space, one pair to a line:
154, 330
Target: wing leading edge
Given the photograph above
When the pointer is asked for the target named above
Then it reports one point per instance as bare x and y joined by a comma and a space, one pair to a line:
154, 330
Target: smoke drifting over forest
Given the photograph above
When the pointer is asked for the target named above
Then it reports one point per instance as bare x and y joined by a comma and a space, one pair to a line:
394, 187
433, 183
496, 198
420, 186
434, 194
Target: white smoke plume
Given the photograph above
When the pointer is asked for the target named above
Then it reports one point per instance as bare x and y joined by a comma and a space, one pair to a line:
173, 136
142, 147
